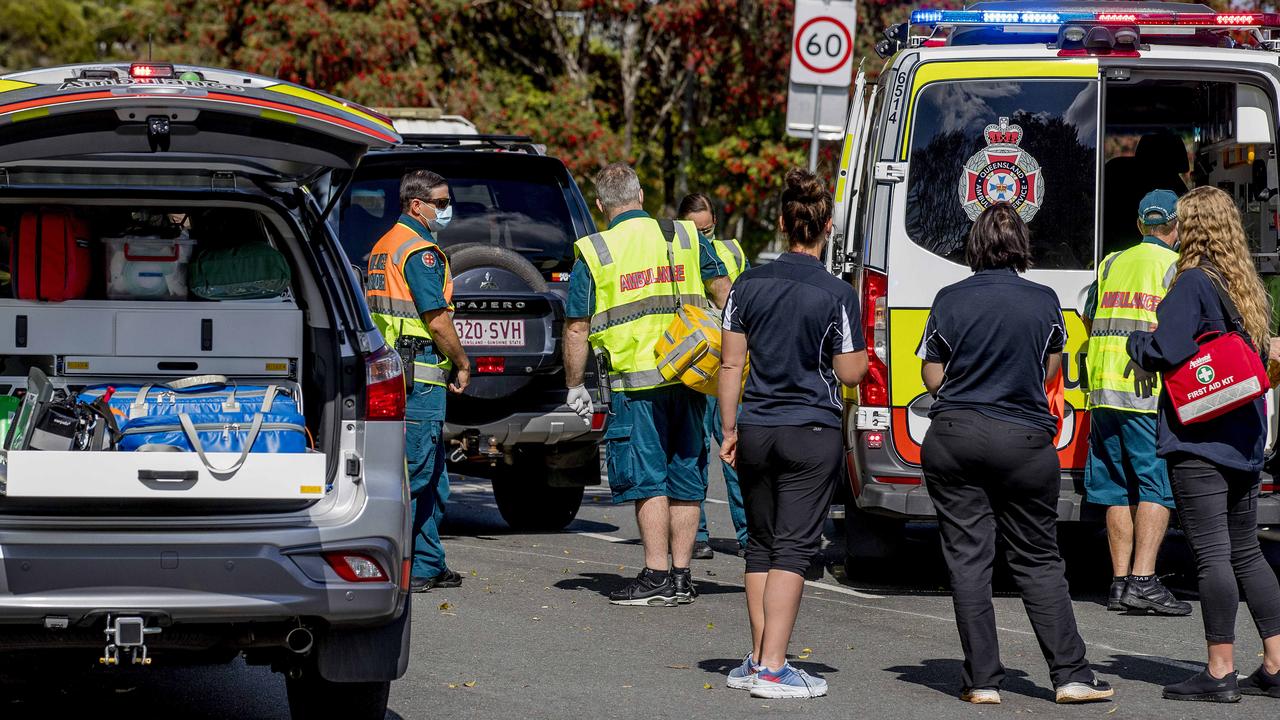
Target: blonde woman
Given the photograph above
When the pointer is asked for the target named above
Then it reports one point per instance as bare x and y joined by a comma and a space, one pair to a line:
1215, 465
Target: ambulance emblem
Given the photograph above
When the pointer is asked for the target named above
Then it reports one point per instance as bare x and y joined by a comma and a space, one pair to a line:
1002, 172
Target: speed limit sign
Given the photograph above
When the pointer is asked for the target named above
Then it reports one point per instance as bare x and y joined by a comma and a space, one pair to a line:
822, 43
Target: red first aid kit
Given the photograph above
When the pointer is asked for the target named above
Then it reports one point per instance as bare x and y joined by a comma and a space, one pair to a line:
1224, 374
51, 258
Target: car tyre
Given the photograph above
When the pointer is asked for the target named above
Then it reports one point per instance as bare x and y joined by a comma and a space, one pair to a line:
311, 697
531, 504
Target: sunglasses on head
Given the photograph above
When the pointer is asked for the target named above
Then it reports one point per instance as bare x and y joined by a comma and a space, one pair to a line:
439, 203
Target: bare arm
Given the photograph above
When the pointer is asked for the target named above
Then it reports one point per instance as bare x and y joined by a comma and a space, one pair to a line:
718, 290
851, 367
1052, 367
575, 351
733, 357
932, 374
446, 339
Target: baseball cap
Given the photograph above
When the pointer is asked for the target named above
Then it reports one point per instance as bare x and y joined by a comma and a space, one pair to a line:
1158, 207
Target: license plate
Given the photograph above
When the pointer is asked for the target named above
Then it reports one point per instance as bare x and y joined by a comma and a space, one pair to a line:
490, 333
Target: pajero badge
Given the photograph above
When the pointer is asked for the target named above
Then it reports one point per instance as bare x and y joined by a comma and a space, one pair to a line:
1002, 172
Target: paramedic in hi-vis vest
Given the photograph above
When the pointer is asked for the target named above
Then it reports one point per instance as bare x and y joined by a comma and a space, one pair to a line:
696, 208
1123, 473
623, 294
410, 293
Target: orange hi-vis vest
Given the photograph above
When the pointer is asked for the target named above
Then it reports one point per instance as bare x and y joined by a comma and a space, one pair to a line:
391, 303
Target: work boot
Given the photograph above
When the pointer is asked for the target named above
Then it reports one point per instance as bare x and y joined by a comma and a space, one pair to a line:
651, 588
683, 581
1148, 593
1205, 688
702, 550
1117, 591
1261, 682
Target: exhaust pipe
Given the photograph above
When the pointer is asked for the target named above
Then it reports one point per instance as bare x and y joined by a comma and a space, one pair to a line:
299, 640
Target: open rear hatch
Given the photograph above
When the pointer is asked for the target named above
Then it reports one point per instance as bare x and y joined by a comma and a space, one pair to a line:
174, 122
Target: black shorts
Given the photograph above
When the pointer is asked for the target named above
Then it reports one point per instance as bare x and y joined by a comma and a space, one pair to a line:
788, 475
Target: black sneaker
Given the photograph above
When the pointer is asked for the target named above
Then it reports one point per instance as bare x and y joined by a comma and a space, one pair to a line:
1261, 682
683, 581
1148, 593
1117, 590
702, 550
1205, 688
650, 587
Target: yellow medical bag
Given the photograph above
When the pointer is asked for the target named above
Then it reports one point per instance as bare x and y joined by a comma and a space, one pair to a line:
689, 350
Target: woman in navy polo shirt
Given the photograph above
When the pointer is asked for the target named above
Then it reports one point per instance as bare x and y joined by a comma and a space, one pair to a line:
804, 330
989, 460
1215, 466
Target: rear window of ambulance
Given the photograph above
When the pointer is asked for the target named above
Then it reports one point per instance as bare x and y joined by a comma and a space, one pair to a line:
1030, 143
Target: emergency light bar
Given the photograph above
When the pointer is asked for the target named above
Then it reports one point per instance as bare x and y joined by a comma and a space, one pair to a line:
959, 18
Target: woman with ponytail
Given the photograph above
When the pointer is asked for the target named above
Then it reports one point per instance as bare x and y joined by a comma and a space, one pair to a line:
804, 330
1215, 465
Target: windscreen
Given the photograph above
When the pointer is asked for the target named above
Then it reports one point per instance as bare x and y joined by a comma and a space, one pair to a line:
518, 206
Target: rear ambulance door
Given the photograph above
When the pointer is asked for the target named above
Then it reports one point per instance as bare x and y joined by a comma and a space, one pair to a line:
963, 134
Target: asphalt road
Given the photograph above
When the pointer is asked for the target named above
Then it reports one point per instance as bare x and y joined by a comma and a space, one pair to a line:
530, 634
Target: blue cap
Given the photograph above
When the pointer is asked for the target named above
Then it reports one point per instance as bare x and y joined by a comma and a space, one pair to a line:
1158, 207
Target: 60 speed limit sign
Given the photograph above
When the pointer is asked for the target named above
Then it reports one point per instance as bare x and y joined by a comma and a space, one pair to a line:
822, 43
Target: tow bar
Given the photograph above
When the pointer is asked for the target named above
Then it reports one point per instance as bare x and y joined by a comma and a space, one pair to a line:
128, 634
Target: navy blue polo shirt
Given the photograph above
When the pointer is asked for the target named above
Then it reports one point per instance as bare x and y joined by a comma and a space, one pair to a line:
796, 317
1192, 308
994, 332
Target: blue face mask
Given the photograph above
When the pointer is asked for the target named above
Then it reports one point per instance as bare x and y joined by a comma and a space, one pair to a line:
442, 219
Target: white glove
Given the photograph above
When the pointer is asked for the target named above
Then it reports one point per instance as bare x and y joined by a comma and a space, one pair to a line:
580, 402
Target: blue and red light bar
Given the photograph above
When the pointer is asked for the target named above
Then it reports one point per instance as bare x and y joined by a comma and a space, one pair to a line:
1043, 18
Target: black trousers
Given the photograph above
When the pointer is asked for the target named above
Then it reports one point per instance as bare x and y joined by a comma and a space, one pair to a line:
1218, 510
987, 477
787, 476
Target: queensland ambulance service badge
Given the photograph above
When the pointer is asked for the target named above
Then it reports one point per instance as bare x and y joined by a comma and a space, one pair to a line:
1002, 172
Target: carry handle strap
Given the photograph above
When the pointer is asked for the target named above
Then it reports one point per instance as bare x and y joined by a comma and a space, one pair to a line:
190, 429
668, 228
140, 400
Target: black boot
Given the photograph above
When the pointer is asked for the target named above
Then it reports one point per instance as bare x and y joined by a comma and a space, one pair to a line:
1148, 593
1261, 682
1117, 590
1206, 688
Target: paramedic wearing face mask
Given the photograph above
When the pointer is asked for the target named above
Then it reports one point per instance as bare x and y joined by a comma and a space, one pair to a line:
410, 291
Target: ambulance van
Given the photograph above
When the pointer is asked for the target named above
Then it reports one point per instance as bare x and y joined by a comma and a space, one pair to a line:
1071, 112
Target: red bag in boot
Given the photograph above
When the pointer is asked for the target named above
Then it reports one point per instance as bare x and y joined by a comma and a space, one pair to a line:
50, 258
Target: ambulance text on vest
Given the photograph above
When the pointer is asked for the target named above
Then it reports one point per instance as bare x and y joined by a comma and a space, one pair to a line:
645, 278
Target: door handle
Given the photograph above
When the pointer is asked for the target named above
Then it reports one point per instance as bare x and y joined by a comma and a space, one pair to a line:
174, 476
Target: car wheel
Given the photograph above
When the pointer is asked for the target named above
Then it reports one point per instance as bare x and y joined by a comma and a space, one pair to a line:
872, 542
311, 697
530, 503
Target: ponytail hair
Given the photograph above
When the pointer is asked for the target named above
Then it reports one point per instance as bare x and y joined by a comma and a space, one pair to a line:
806, 208
692, 203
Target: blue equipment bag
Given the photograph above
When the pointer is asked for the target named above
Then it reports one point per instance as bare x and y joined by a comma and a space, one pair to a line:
205, 414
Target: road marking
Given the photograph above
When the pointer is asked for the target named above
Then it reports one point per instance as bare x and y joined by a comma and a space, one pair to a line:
842, 590
599, 536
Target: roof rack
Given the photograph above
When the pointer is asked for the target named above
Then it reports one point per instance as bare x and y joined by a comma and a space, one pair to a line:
508, 143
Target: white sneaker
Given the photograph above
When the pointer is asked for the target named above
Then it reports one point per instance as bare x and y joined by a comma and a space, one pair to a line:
742, 677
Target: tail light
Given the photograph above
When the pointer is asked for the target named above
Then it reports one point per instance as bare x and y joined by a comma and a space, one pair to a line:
490, 365
1268, 487
152, 70
384, 385
874, 391
355, 567
597, 421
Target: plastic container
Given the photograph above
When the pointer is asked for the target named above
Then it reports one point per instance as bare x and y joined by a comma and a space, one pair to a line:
147, 268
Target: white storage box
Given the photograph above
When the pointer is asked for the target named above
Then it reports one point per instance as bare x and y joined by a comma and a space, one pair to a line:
163, 476
147, 268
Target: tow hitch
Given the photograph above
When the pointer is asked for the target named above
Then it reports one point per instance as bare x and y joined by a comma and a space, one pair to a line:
471, 446
130, 635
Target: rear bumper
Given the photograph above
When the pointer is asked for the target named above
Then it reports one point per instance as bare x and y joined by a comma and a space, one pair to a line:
539, 428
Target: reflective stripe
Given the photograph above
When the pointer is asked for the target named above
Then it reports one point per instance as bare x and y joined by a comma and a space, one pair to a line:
602, 249
684, 236
654, 305
1118, 327
1119, 400
636, 380
383, 305
1170, 274
1219, 399
429, 374
686, 346
397, 257
1106, 265
736, 250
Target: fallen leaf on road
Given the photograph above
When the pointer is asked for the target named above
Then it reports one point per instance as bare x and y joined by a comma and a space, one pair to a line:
621, 568
1112, 710
544, 607
566, 571
474, 573
711, 626
566, 552
803, 656
537, 619
582, 562
706, 686
453, 686
678, 667
445, 607
469, 683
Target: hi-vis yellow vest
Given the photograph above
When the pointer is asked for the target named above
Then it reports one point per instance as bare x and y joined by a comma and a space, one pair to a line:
638, 291
730, 253
391, 302
1131, 284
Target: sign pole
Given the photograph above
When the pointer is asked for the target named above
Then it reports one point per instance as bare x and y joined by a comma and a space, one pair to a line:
817, 119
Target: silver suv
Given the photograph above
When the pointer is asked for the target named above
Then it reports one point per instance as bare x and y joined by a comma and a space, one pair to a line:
297, 561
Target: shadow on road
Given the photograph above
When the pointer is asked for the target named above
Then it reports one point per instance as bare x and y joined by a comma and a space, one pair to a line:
1154, 670
943, 675
605, 583
722, 666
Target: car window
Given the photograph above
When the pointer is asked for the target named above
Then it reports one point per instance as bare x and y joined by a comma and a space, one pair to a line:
1031, 143
527, 214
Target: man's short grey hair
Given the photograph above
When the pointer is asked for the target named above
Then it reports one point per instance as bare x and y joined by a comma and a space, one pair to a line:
617, 185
